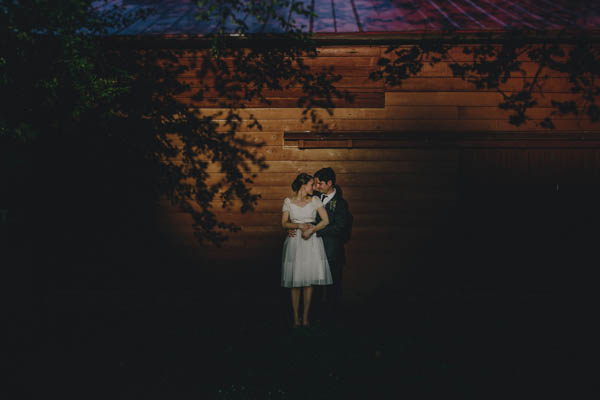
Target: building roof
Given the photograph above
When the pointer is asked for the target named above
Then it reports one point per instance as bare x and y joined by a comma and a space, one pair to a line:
356, 17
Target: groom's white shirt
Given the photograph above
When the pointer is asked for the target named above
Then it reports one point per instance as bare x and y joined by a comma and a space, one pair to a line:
328, 197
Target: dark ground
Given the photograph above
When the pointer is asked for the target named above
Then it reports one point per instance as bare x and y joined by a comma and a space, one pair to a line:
144, 325
234, 344
224, 341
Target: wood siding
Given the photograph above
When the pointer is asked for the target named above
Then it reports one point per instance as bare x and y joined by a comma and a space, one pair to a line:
408, 203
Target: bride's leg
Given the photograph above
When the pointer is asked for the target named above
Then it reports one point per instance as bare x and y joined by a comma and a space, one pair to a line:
307, 294
295, 293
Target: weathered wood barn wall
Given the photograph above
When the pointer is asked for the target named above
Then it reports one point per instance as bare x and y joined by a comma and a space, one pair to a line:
423, 166
442, 187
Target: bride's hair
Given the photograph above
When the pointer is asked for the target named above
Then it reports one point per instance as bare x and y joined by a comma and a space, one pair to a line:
300, 180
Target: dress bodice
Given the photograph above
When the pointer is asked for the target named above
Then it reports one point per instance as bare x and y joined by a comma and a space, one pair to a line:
302, 214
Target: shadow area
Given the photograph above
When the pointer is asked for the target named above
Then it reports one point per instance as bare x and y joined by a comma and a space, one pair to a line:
103, 303
514, 313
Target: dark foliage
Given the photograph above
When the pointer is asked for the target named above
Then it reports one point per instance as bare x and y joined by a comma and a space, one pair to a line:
492, 59
103, 123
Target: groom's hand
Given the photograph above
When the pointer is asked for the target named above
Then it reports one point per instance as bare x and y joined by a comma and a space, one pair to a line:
306, 233
302, 227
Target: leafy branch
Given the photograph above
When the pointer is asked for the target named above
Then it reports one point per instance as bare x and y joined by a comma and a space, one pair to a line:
105, 117
490, 66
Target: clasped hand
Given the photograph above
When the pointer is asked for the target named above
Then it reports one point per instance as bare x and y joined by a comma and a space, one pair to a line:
307, 230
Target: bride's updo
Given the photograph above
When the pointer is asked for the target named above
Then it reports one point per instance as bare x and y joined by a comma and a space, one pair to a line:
300, 180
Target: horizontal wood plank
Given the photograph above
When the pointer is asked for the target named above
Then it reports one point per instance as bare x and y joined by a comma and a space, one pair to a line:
296, 92
359, 78
357, 206
360, 99
277, 153
324, 60
390, 112
390, 193
349, 51
364, 167
455, 53
473, 99
353, 179
430, 125
324, 51
200, 78
348, 78
432, 84
354, 79
266, 138
526, 69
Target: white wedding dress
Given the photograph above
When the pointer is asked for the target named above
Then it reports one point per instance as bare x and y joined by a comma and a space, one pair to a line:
304, 262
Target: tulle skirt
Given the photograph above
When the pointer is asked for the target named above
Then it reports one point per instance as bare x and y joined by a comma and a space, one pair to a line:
304, 262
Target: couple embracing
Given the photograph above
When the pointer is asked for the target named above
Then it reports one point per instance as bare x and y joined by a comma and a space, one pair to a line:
317, 220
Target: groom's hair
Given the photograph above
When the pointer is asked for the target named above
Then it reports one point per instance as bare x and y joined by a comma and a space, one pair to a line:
326, 175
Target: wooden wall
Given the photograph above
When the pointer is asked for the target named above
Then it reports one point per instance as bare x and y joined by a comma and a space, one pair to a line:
409, 201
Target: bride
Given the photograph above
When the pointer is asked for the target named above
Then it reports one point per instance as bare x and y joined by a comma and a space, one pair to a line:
304, 262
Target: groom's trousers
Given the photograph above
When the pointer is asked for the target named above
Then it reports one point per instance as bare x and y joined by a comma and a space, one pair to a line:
334, 291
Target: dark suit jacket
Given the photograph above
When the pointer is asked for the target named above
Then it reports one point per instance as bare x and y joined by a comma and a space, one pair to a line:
335, 232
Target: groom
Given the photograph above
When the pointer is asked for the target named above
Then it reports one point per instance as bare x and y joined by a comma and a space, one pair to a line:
335, 233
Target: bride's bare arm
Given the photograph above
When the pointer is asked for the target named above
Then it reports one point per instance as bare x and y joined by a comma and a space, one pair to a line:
322, 224
324, 219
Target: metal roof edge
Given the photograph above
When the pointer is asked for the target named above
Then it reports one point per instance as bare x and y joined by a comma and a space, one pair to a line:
359, 38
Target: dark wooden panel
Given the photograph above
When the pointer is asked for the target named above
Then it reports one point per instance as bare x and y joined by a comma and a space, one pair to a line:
437, 141
536, 113
350, 78
267, 138
530, 166
349, 51
390, 193
327, 51
377, 214
321, 61
296, 92
450, 112
365, 167
527, 69
277, 153
430, 125
456, 53
347, 73
432, 84
406, 112
349, 179
356, 205
368, 99
473, 99
407, 216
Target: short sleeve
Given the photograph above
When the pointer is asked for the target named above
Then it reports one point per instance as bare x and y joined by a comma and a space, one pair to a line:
317, 202
286, 205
